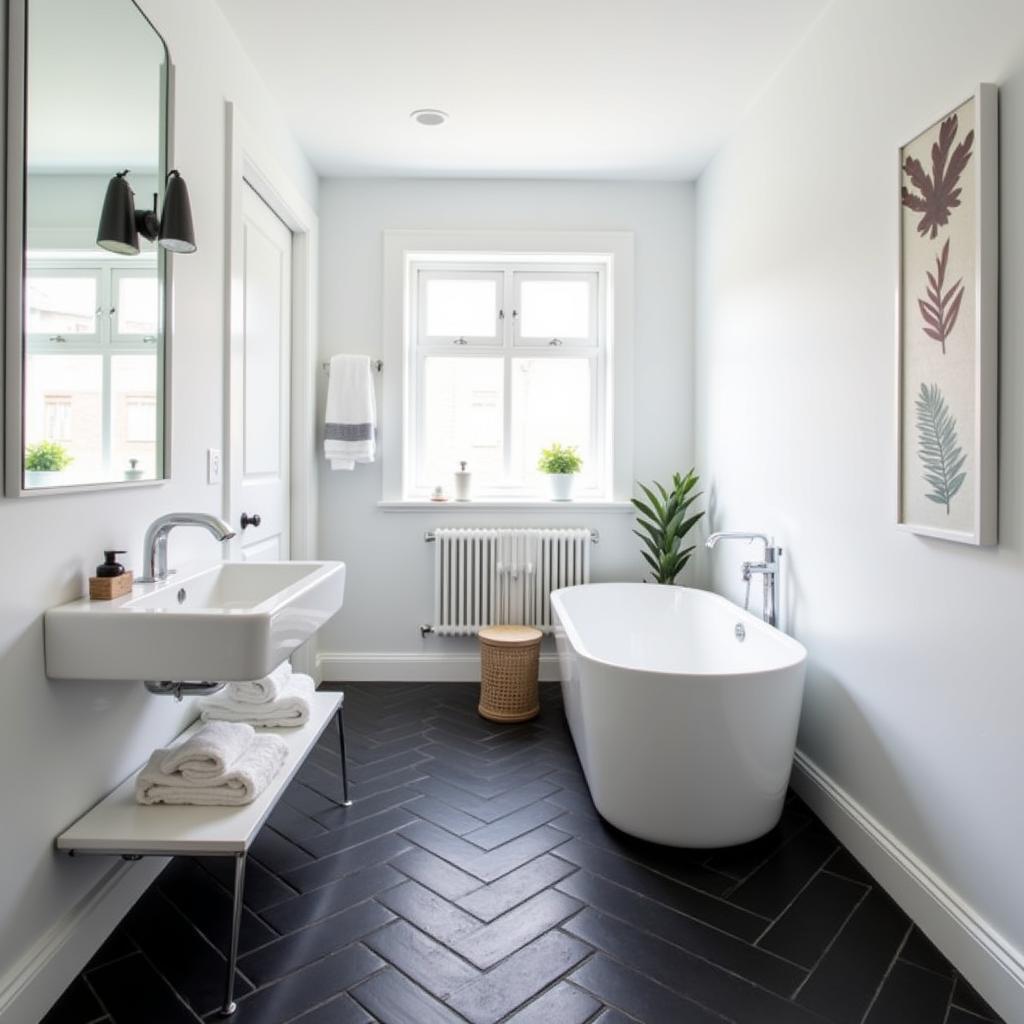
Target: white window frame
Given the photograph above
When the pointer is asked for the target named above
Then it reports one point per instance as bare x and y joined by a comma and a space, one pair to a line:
104, 342
608, 253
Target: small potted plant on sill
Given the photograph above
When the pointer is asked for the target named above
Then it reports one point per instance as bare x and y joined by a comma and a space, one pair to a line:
560, 463
44, 463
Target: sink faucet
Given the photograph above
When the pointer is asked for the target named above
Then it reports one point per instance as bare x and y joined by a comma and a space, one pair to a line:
155, 543
767, 569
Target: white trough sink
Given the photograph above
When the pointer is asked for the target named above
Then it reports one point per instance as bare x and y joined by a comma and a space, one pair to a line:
230, 621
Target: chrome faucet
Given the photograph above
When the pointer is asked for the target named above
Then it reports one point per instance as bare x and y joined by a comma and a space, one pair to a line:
154, 545
767, 569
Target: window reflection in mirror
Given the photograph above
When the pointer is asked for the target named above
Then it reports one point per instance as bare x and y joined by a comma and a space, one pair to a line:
93, 339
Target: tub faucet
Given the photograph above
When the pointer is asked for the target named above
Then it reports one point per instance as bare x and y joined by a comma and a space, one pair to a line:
154, 545
767, 569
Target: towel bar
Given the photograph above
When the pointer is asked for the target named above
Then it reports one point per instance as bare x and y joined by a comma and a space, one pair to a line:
377, 364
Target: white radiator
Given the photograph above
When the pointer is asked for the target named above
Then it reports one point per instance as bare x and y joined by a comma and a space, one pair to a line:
494, 577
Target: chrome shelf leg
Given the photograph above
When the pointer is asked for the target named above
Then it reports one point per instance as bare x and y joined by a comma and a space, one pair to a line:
345, 802
236, 923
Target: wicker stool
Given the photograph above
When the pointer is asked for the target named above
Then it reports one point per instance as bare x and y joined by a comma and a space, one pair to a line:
509, 657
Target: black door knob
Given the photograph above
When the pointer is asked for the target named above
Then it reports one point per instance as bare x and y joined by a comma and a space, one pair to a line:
250, 520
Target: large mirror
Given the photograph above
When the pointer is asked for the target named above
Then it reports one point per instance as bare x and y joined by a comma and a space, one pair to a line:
89, 81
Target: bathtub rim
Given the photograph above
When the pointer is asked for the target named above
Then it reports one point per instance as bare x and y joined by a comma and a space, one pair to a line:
788, 643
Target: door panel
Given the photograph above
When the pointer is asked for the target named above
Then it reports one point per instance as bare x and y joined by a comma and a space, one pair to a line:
263, 487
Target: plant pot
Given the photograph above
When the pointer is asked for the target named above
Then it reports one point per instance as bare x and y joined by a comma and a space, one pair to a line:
561, 486
42, 478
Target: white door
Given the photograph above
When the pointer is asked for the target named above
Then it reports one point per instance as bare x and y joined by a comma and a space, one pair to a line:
259, 462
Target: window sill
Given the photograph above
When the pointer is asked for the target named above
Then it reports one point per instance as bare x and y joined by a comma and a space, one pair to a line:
500, 504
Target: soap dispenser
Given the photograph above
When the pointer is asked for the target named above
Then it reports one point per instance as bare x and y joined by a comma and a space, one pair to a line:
463, 481
111, 579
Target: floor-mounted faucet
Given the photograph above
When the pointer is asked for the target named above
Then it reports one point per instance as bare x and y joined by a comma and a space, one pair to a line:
154, 546
767, 568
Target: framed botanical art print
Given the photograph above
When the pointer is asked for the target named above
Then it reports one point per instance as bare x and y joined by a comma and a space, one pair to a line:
946, 325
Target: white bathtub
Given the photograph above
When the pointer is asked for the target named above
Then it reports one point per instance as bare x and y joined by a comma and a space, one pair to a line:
684, 730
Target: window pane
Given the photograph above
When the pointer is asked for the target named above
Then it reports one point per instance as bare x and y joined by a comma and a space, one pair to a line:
137, 305
554, 309
462, 420
60, 305
64, 404
461, 308
550, 402
133, 412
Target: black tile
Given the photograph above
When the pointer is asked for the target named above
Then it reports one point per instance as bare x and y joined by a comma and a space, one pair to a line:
117, 945
443, 878
262, 887
439, 813
759, 966
561, 1004
367, 807
965, 997
842, 862
393, 999
910, 995
307, 987
180, 954
294, 824
329, 869
77, 1005
775, 883
297, 948
489, 901
276, 853
844, 982
518, 823
519, 978
422, 958
693, 902
341, 1010
814, 918
308, 907
132, 991
356, 832
722, 992
429, 912
919, 950
960, 1016
641, 998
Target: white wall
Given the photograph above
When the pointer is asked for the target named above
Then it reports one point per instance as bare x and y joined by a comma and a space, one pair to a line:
915, 691
376, 635
64, 745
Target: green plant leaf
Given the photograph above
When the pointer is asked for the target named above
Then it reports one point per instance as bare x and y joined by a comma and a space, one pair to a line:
659, 508
663, 523
939, 447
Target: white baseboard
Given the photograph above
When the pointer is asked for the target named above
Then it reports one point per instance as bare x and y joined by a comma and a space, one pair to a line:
989, 962
370, 667
32, 985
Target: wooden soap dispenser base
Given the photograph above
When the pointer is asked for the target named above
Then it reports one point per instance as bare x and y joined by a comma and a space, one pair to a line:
111, 579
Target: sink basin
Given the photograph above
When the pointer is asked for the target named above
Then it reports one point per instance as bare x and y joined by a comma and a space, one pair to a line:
230, 621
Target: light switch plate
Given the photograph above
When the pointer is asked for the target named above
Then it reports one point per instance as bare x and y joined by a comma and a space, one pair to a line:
213, 465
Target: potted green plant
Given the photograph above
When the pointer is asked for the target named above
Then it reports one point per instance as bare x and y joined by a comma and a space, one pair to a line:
560, 463
664, 521
44, 462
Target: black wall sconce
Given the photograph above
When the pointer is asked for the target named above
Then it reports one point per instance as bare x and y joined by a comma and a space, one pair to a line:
121, 224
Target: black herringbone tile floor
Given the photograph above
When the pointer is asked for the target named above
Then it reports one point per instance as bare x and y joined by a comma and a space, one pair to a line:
472, 880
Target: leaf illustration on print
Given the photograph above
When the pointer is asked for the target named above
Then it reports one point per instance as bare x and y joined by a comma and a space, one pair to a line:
938, 193
938, 446
942, 306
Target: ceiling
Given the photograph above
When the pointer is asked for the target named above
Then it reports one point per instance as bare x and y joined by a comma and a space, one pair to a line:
535, 88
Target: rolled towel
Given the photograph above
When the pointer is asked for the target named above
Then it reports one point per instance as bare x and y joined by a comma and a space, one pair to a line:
259, 691
207, 754
247, 777
289, 709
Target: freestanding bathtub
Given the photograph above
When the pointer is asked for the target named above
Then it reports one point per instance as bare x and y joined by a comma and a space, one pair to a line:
683, 708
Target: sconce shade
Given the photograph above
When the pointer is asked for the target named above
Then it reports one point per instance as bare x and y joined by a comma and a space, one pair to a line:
118, 232
176, 231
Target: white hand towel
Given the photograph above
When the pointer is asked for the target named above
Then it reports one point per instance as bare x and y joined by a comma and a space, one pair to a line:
291, 708
259, 691
207, 754
241, 784
350, 429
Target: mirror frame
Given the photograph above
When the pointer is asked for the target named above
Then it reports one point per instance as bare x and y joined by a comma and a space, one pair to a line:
15, 235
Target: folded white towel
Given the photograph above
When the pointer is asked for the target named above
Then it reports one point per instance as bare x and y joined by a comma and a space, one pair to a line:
207, 755
289, 709
247, 777
350, 428
259, 691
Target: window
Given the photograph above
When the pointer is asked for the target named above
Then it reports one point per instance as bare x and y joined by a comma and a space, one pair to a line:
92, 360
505, 359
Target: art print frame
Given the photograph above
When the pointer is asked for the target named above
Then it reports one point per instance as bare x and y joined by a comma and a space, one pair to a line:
947, 326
